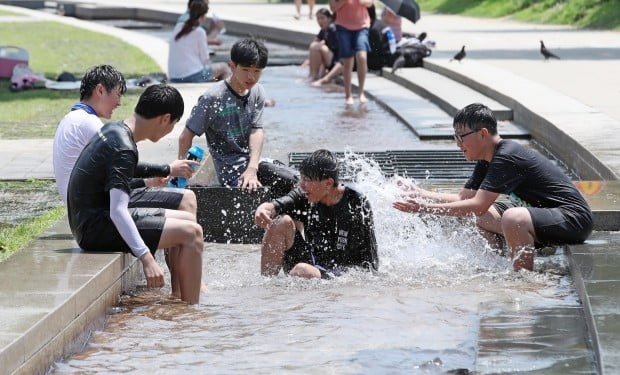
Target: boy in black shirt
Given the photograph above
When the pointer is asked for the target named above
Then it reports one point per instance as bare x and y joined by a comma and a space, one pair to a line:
99, 193
320, 228
545, 206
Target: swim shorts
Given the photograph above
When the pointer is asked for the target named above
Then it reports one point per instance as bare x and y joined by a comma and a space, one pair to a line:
553, 226
303, 252
160, 197
100, 234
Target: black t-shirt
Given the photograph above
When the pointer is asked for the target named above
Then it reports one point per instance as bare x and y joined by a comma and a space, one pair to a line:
528, 178
108, 162
330, 38
342, 235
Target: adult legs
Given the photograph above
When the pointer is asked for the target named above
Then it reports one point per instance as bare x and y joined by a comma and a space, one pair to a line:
362, 69
297, 9
183, 236
520, 235
347, 73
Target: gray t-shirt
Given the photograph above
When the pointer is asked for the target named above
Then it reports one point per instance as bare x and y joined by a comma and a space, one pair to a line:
227, 120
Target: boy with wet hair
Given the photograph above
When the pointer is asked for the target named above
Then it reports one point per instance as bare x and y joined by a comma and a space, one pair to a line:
319, 229
101, 90
545, 206
99, 194
230, 114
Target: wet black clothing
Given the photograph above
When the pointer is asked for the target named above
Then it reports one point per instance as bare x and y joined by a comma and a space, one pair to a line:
533, 181
108, 162
338, 236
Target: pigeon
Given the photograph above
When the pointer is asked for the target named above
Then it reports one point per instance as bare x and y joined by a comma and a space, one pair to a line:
459, 56
546, 53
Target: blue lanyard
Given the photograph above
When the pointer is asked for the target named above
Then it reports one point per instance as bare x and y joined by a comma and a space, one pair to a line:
88, 109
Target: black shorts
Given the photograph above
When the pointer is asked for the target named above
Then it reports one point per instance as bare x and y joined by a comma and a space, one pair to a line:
554, 226
100, 233
303, 252
161, 197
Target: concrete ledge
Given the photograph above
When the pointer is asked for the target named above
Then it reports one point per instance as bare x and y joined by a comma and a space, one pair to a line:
446, 93
559, 123
53, 294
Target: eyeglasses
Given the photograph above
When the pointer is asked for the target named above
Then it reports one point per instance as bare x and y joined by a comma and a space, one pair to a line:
459, 137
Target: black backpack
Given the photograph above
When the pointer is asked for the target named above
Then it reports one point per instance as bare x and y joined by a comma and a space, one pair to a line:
411, 56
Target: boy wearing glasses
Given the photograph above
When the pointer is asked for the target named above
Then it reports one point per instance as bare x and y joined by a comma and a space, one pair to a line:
320, 228
545, 206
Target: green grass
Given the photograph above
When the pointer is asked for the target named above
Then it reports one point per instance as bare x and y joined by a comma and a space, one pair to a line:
35, 113
55, 48
14, 237
9, 13
602, 14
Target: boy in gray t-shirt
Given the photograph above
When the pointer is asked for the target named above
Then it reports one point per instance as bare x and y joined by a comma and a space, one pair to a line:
230, 114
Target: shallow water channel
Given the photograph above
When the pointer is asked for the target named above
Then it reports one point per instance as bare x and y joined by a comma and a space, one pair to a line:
442, 300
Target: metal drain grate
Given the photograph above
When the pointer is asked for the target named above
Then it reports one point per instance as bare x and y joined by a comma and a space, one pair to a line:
417, 164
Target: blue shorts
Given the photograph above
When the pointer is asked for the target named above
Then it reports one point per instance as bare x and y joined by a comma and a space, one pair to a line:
351, 41
205, 75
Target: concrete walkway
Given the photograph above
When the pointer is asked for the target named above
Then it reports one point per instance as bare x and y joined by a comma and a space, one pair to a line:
571, 101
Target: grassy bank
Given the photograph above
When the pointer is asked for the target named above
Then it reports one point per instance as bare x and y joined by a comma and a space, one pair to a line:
601, 14
29, 208
55, 48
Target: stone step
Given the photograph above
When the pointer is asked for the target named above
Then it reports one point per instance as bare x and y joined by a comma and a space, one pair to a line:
428, 123
448, 94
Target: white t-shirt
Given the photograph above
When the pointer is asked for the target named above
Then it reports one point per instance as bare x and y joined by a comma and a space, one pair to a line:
189, 54
74, 132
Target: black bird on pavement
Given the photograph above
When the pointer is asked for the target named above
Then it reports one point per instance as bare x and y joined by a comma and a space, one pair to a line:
460, 55
546, 53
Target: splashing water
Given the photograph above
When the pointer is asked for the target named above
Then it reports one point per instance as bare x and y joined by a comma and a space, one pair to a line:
436, 283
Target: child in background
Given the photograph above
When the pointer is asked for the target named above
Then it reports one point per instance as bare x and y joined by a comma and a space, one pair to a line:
323, 51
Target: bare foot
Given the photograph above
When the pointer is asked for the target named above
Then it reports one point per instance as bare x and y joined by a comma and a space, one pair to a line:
317, 83
203, 288
296, 16
363, 98
349, 100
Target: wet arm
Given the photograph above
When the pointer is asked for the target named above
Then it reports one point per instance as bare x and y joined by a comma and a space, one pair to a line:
185, 142
477, 205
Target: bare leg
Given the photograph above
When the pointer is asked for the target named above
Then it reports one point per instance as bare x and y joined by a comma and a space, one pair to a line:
362, 68
186, 211
518, 230
336, 71
311, 8
348, 72
315, 59
185, 236
278, 238
297, 9
326, 55
491, 228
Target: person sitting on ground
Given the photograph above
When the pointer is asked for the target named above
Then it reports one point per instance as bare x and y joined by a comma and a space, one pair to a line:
298, 9
188, 56
320, 228
99, 193
323, 51
214, 28
230, 114
382, 43
545, 206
